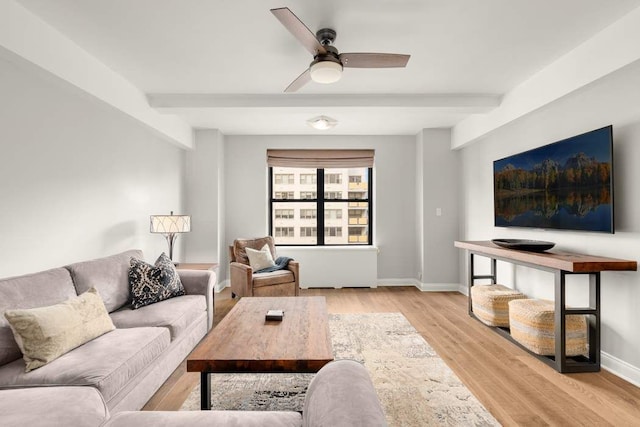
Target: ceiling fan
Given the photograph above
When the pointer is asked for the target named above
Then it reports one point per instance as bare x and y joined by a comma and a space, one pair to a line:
327, 62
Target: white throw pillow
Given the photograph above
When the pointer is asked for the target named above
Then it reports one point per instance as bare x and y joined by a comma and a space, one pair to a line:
260, 259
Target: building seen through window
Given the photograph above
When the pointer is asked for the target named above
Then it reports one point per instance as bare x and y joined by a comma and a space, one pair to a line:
340, 217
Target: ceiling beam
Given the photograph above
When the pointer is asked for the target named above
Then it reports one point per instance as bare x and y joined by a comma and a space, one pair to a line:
606, 52
26, 38
455, 102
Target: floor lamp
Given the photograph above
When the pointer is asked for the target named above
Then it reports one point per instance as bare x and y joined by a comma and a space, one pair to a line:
170, 225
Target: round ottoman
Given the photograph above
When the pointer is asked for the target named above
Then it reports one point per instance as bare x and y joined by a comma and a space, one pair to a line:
490, 303
532, 324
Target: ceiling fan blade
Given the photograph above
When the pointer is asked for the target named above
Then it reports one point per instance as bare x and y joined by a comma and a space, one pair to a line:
299, 30
374, 60
300, 81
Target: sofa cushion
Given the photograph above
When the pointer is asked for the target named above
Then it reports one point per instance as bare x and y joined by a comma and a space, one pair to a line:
240, 245
52, 407
272, 278
107, 363
45, 333
109, 275
150, 284
177, 314
29, 291
206, 419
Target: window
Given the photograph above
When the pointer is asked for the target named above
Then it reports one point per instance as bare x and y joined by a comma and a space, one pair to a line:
305, 195
308, 232
308, 213
333, 214
328, 206
284, 214
333, 178
333, 231
284, 178
333, 194
284, 195
308, 179
283, 232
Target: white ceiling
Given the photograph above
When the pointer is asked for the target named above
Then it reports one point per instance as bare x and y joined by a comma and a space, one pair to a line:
226, 62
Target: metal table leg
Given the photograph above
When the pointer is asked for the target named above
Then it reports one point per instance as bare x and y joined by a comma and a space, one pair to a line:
205, 391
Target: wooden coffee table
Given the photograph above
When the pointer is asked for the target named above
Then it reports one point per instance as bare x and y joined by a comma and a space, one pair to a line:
245, 342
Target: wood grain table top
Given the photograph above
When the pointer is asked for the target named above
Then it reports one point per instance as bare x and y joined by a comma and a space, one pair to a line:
245, 342
567, 261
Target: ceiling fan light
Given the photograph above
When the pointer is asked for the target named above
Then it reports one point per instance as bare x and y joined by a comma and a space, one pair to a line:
326, 72
322, 122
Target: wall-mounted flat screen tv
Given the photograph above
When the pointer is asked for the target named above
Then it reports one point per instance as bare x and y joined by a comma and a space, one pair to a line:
564, 185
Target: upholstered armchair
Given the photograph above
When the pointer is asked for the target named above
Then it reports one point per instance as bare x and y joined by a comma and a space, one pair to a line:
246, 283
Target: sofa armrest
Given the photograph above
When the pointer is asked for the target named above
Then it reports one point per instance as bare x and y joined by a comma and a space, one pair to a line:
52, 406
200, 282
342, 394
241, 278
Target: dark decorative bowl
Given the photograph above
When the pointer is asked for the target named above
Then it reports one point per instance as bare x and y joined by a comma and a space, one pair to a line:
524, 245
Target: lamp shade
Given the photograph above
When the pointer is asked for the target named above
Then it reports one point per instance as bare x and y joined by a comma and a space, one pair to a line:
326, 71
168, 224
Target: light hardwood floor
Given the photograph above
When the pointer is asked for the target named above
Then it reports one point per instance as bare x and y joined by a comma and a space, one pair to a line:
514, 386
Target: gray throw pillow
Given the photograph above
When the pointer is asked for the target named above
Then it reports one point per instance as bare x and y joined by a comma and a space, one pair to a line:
153, 283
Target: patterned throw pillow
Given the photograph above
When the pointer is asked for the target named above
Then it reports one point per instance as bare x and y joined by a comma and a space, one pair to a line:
153, 283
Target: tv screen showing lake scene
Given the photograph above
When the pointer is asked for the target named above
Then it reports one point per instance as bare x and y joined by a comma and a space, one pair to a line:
564, 185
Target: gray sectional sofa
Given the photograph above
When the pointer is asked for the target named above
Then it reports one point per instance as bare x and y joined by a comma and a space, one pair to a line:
107, 381
127, 365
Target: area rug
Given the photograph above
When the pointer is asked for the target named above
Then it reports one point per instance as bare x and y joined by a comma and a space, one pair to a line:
415, 386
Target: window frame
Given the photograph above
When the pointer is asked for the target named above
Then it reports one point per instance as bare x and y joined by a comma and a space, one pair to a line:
320, 210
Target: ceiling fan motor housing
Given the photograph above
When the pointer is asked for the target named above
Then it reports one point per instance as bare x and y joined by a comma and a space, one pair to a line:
326, 36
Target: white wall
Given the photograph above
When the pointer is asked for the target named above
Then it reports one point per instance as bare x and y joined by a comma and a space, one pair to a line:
78, 179
438, 185
615, 100
204, 191
246, 189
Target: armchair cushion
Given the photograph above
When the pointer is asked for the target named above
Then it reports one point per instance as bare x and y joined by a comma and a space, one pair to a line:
272, 278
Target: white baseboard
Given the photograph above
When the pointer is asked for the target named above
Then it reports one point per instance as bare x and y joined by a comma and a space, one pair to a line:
221, 285
425, 287
397, 282
620, 368
439, 287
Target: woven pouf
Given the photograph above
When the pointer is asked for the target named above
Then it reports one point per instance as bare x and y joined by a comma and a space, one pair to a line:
490, 303
532, 324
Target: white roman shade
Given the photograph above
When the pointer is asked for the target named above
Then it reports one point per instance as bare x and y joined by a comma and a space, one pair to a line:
301, 158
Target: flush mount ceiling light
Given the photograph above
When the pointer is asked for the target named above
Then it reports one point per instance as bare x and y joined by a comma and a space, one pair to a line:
325, 71
322, 122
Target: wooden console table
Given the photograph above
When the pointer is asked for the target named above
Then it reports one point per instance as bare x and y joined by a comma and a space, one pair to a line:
197, 266
560, 264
